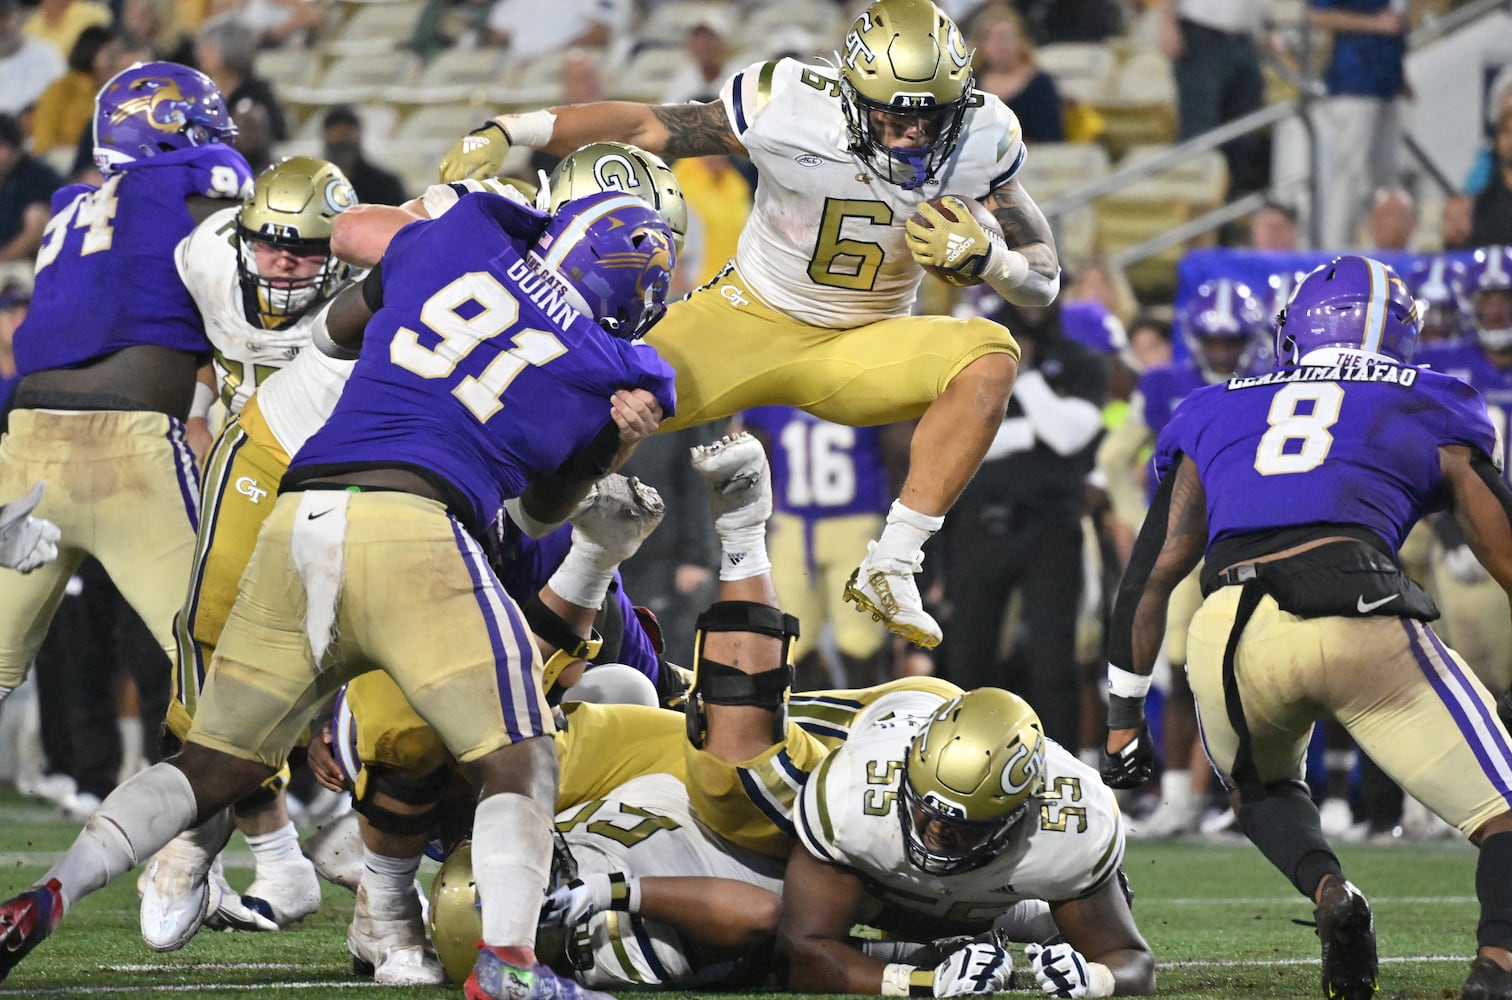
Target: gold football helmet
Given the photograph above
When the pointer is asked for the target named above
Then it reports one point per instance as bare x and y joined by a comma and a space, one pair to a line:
455, 922
618, 166
904, 59
968, 779
293, 205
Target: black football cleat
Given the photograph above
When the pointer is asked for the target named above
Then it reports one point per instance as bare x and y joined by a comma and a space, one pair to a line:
1487, 981
25, 921
1347, 932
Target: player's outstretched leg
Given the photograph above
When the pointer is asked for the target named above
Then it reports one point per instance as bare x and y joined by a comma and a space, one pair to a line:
177, 893
884, 582
1347, 933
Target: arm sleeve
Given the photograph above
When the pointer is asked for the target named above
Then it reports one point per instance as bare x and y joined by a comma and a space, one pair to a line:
1147, 548
1066, 423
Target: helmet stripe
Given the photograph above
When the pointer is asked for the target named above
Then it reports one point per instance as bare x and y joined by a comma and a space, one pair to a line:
1375, 310
578, 228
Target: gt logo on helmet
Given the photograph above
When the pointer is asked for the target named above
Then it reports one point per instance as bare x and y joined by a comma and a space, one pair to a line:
1023, 768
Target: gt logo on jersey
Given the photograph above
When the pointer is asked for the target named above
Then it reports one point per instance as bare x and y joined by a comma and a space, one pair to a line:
247, 487
733, 296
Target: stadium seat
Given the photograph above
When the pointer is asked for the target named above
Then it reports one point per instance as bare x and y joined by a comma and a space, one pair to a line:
646, 76
820, 20
531, 85
457, 75
1140, 106
439, 126
1083, 71
375, 28
669, 23
356, 79
1054, 168
1155, 205
286, 65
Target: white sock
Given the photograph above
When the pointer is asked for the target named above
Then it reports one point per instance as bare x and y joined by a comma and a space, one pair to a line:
1176, 787
511, 862
743, 553
389, 882
904, 535
583, 578
131, 825
280, 846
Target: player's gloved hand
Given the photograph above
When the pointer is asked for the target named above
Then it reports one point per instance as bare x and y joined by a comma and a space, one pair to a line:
1063, 972
1463, 566
960, 247
27, 542
1130, 766
979, 967
478, 154
569, 905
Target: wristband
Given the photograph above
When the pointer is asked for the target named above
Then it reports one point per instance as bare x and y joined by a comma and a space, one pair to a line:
1126, 683
531, 129
204, 398
900, 980
624, 892
550, 626
1125, 713
1100, 981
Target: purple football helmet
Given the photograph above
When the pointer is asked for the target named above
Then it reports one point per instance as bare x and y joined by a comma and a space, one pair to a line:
1222, 325
1490, 286
1441, 285
153, 108
1355, 303
617, 252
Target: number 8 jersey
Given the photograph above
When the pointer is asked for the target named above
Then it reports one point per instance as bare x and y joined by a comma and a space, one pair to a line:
1323, 443
1070, 843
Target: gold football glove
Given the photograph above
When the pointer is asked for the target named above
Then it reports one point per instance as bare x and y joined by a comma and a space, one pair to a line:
477, 155
961, 247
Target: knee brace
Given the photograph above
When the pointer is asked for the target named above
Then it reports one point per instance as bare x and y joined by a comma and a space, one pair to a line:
1284, 824
720, 684
401, 786
571, 647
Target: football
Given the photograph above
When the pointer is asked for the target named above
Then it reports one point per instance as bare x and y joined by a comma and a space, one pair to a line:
949, 206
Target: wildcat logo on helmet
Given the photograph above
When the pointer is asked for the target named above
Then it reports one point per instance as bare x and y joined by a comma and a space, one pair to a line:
162, 104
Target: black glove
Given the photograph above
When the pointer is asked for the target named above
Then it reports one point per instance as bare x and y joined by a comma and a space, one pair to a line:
1131, 766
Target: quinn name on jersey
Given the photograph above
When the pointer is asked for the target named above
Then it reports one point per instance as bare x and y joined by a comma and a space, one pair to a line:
1068, 845
831, 260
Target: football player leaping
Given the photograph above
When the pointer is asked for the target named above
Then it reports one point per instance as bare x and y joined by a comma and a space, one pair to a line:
1296, 489
813, 311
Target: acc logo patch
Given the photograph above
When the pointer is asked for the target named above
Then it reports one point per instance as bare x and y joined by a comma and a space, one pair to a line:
809, 160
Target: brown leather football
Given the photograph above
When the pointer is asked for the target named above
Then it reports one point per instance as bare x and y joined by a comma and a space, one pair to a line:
949, 206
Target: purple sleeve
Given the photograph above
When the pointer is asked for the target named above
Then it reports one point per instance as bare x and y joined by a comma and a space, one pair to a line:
1467, 421
636, 649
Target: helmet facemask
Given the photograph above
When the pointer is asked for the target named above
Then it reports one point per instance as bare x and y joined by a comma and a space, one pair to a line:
904, 59
940, 840
280, 300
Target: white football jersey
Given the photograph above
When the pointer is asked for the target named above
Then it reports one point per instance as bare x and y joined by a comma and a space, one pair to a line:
646, 827
848, 814
245, 353
825, 241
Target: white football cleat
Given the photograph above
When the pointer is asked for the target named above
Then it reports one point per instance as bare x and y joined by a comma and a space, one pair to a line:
388, 942
175, 886
739, 479
618, 515
226, 911
886, 588
284, 892
335, 848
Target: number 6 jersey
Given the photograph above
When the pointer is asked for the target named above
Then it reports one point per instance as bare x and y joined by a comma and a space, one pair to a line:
1069, 844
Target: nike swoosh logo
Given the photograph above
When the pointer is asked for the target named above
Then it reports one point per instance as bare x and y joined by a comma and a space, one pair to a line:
1365, 608
311, 517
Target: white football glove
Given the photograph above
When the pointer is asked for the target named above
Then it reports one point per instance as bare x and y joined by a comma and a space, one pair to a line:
1063, 972
570, 904
1463, 566
26, 542
977, 968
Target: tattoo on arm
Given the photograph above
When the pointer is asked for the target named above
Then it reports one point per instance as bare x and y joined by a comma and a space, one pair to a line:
697, 129
1185, 540
1025, 228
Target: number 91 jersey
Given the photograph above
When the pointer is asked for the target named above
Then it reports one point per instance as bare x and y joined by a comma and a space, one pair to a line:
824, 243
1349, 443
1069, 844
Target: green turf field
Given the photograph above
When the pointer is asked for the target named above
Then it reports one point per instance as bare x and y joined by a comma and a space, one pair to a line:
1218, 918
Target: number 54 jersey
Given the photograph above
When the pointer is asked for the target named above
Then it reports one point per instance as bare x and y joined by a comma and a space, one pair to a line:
1354, 442
1070, 842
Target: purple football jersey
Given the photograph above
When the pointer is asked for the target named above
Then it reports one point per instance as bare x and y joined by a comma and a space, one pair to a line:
106, 279
821, 469
476, 369
1324, 444
1162, 390
1495, 386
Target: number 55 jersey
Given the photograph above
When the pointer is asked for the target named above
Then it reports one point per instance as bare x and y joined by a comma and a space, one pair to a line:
1068, 845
